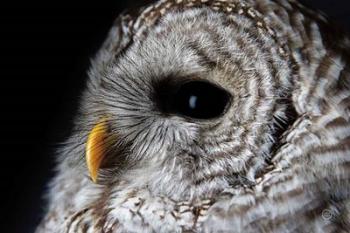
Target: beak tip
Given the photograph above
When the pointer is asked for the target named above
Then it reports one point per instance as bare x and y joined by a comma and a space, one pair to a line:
94, 179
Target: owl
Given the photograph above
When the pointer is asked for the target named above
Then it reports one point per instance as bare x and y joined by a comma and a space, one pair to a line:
210, 116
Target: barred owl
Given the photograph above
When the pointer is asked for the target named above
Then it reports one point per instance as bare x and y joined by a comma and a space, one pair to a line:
210, 116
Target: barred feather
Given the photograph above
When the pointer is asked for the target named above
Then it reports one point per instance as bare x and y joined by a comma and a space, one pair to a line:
277, 161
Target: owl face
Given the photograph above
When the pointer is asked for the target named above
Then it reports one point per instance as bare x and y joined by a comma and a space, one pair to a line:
194, 107
198, 116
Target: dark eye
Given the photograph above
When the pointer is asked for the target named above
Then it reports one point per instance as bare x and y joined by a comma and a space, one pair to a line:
197, 99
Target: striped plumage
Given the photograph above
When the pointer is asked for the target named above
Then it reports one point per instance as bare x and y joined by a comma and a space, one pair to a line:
277, 161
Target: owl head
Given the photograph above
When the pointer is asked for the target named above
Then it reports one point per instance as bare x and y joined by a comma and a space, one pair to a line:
186, 98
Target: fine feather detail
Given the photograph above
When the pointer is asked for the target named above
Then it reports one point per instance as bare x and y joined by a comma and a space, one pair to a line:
276, 161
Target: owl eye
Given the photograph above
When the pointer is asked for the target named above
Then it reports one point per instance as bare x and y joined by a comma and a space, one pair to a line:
199, 99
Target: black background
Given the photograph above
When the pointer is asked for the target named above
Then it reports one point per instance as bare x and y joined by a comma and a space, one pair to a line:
45, 50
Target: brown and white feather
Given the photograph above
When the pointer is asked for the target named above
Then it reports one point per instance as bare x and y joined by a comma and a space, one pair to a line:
275, 162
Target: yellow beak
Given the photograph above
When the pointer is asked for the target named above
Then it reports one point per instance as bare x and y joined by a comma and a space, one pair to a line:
96, 148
